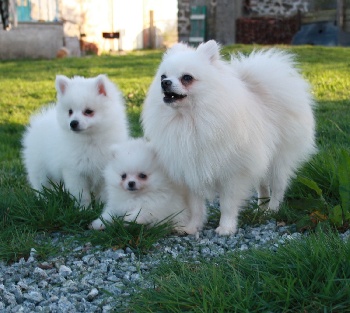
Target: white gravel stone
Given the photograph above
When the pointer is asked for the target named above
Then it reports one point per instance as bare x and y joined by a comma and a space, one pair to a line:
92, 294
34, 296
40, 273
64, 271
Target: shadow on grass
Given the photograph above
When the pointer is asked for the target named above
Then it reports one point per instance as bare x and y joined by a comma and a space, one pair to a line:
10, 144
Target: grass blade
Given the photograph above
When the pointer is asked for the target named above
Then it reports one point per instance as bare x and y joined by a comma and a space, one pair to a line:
344, 181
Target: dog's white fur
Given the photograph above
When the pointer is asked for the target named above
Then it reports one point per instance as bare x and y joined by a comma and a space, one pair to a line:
52, 150
139, 189
241, 124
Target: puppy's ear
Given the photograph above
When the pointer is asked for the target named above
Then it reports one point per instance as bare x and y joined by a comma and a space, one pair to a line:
61, 84
151, 149
114, 150
179, 47
101, 81
211, 49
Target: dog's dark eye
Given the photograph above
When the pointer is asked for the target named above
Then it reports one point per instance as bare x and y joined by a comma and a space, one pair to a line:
123, 176
186, 79
142, 176
88, 112
162, 77
70, 112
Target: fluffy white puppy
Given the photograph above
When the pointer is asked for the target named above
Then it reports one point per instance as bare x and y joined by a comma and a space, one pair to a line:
229, 126
139, 189
70, 142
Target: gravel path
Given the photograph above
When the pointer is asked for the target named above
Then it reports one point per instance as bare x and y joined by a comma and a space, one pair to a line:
88, 279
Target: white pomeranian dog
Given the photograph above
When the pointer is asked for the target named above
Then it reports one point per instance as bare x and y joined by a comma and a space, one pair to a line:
70, 142
227, 127
139, 190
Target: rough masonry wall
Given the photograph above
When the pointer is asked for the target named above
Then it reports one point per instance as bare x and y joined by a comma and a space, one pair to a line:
278, 8
183, 20
222, 15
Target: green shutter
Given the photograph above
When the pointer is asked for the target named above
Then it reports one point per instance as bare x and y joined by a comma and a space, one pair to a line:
198, 27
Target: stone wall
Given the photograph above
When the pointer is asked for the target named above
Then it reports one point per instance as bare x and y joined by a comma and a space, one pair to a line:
277, 8
31, 40
183, 20
223, 14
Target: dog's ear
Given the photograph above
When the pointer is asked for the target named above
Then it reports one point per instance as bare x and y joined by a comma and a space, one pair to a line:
101, 84
179, 47
114, 150
211, 49
151, 148
61, 84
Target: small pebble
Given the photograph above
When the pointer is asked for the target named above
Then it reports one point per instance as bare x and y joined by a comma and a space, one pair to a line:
92, 294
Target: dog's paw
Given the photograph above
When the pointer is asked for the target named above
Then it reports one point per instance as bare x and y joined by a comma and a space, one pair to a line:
97, 225
263, 204
273, 206
180, 230
225, 230
192, 228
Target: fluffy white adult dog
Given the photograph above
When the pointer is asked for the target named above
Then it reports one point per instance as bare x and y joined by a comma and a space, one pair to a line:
226, 127
139, 189
70, 142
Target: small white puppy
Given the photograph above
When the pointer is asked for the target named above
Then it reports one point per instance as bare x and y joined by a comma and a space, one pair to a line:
227, 127
139, 189
70, 142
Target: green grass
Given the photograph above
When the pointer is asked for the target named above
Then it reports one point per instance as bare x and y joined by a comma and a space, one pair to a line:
27, 215
302, 276
308, 276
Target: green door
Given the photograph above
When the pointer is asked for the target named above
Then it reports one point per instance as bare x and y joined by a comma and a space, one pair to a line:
23, 10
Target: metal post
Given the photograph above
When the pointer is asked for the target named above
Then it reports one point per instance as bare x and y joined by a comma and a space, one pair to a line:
152, 33
340, 14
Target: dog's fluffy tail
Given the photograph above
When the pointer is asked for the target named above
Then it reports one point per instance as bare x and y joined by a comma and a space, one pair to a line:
273, 74
273, 77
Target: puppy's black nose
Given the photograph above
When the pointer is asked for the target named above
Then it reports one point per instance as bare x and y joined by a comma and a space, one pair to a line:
131, 184
74, 124
166, 84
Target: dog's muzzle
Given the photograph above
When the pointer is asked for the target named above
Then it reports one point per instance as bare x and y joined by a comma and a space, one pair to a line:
169, 95
74, 125
166, 84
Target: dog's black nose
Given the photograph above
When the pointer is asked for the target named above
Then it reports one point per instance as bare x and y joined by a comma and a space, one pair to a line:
131, 184
166, 84
74, 124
